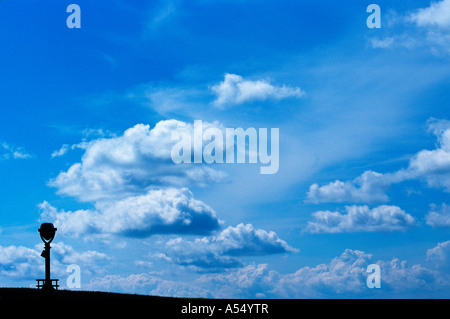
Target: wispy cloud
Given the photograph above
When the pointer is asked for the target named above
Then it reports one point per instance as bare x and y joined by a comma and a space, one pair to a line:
235, 90
421, 28
158, 16
432, 166
8, 151
87, 134
361, 219
66, 148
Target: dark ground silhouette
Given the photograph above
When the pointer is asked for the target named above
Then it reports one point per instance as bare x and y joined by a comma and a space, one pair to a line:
62, 303
37, 294
89, 304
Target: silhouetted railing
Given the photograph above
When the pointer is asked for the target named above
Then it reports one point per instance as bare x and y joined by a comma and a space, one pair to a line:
41, 282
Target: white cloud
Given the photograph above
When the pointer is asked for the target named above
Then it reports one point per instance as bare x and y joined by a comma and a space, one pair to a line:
19, 262
343, 277
62, 151
368, 188
66, 254
403, 41
8, 151
439, 217
235, 90
218, 252
160, 211
159, 16
135, 283
23, 265
432, 166
361, 219
423, 28
167, 101
440, 255
243, 282
65, 148
246, 240
398, 278
131, 164
345, 274
437, 14
88, 133
382, 43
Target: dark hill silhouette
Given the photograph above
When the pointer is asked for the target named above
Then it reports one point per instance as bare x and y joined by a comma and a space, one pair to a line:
37, 294
89, 304
64, 303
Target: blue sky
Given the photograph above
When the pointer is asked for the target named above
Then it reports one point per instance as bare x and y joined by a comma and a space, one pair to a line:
364, 161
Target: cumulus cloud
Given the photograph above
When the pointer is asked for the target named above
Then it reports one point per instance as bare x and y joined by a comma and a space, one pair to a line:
220, 251
131, 164
235, 90
437, 14
240, 283
23, 265
440, 255
368, 188
19, 262
361, 219
344, 276
439, 216
243, 282
66, 254
246, 240
432, 166
160, 211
